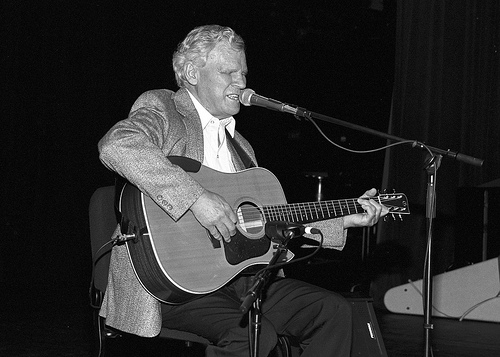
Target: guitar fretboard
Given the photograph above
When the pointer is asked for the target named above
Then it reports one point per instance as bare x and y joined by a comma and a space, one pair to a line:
311, 211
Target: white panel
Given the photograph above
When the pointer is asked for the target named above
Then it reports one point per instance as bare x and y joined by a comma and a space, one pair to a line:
454, 293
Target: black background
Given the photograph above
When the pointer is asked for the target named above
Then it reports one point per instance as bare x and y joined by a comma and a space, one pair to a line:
71, 69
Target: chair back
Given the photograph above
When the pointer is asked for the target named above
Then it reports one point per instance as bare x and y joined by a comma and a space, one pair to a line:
103, 222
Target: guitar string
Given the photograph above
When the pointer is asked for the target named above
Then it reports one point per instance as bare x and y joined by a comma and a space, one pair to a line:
306, 207
351, 202
304, 211
309, 211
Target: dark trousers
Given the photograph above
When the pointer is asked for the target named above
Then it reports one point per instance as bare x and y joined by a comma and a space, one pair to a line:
319, 319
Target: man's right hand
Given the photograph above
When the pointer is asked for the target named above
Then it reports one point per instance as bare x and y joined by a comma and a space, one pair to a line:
216, 215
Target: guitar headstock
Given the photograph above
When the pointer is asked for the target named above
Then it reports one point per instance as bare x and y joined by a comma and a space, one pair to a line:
397, 203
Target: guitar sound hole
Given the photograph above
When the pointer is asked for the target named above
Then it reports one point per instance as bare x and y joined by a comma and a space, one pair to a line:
250, 220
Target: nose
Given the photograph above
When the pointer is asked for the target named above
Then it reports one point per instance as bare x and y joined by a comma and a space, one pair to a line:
240, 81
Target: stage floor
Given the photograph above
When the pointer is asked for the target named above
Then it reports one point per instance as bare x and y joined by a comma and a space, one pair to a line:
56, 321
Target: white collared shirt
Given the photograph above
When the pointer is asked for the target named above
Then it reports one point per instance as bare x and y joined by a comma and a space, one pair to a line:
216, 153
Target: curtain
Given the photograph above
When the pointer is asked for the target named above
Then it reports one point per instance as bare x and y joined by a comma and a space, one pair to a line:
446, 94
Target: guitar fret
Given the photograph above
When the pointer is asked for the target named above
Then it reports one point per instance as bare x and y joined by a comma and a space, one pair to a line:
277, 213
286, 212
301, 210
332, 204
321, 208
280, 213
283, 213
289, 213
270, 213
316, 210
322, 212
341, 210
273, 214
296, 217
266, 215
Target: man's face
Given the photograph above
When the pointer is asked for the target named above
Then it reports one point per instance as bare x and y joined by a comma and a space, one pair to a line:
221, 80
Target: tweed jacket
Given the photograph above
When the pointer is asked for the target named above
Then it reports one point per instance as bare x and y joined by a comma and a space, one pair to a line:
161, 123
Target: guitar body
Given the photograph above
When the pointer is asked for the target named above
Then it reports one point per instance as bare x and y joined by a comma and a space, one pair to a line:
178, 261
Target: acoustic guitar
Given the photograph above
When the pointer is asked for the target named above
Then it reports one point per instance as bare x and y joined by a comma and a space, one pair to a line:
177, 261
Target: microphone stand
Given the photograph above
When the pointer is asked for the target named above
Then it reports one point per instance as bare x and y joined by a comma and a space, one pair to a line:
432, 166
253, 297
301, 112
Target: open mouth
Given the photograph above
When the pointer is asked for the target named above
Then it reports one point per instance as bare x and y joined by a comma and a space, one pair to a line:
234, 97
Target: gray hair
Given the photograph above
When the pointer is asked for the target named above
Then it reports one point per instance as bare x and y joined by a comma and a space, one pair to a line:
197, 45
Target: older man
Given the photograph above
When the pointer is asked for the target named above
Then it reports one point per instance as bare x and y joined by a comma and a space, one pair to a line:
197, 122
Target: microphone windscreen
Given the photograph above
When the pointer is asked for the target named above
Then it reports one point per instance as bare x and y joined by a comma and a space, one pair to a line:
245, 96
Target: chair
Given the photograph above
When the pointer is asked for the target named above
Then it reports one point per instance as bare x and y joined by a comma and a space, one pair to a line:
103, 221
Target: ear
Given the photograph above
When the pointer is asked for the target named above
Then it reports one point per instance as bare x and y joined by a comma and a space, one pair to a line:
191, 73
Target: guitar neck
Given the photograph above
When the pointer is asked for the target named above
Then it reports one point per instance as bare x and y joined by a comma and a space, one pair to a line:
312, 211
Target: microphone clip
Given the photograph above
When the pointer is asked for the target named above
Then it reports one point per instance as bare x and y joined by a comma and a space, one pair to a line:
283, 231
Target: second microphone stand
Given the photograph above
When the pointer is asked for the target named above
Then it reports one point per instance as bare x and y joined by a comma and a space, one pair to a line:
253, 298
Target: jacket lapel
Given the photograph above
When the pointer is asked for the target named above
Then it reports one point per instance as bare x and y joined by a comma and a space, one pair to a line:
241, 158
185, 107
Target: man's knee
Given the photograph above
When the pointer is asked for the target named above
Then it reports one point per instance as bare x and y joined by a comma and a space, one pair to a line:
336, 307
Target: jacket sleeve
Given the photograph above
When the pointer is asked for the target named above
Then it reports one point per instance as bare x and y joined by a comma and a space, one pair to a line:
137, 148
333, 231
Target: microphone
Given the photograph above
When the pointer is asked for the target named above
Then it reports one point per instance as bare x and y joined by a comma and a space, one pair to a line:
284, 230
249, 97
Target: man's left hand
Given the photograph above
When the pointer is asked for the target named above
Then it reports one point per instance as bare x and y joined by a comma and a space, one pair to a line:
373, 211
